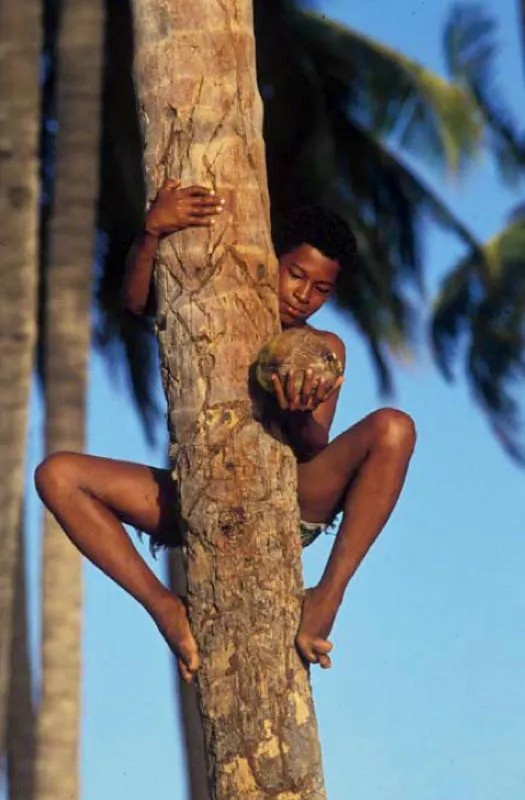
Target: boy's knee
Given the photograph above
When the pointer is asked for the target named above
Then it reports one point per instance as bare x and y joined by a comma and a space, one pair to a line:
53, 473
394, 429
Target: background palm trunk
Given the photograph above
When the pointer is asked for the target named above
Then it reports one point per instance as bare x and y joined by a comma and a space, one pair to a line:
67, 341
21, 716
521, 13
217, 306
190, 716
20, 45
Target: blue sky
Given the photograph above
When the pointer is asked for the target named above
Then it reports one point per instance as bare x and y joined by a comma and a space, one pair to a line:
426, 699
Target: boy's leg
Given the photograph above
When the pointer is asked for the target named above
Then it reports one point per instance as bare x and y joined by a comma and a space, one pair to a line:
90, 497
361, 472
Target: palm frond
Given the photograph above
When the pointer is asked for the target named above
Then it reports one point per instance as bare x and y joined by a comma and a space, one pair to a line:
383, 314
452, 311
517, 214
385, 203
337, 161
128, 345
471, 49
388, 174
119, 336
395, 95
480, 312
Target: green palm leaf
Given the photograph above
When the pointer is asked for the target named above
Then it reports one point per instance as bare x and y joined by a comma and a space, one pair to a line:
379, 173
384, 202
120, 217
471, 51
381, 311
395, 95
338, 107
338, 161
481, 312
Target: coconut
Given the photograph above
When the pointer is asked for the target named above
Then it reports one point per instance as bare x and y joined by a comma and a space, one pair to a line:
297, 349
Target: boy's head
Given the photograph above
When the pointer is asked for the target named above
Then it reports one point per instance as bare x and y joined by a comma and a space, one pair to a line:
315, 244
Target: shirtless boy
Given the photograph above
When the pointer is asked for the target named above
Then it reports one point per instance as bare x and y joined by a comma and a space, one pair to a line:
360, 473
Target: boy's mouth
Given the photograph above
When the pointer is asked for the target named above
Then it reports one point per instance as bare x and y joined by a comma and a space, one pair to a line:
293, 312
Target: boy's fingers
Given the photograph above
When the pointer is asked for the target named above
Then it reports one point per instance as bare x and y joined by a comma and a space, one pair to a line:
325, 392
205, 202
291, 392
199, 191
317, 392
337, 385
308, 387
279, 391
200, 222
205, 211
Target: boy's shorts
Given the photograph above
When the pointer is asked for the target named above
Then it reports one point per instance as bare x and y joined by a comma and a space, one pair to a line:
309, 531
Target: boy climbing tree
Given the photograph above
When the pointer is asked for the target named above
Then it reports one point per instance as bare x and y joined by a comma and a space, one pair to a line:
359, 474
362, 471
231, 495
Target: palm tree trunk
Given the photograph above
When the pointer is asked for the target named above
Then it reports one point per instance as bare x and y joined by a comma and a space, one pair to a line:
67, 341
521, 12
21, 717
20, 44
217, 306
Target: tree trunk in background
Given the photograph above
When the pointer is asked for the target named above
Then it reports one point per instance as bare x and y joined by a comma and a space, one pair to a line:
20, 46
67, 342
217, 306
521, 12
21, 717
190, 716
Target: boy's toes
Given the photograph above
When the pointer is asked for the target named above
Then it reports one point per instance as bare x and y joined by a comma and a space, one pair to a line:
315, 651
321, 648
193, 661
306, 650
188, 663
184, 671
325, 662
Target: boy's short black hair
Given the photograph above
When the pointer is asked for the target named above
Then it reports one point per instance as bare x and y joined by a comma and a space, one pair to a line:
321, 228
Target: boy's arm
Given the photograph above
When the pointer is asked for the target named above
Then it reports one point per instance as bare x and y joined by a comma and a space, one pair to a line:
172, 210
305, 435
137, 291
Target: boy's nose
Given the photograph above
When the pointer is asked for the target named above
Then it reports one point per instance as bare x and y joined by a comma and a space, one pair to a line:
303, 295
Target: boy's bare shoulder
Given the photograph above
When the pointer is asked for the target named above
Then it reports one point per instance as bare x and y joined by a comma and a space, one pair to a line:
334, 342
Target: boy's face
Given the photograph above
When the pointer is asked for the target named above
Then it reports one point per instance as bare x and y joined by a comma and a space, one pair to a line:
307, 278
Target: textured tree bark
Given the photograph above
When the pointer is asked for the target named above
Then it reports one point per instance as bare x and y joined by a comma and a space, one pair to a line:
67, 341
217, 306
20, 43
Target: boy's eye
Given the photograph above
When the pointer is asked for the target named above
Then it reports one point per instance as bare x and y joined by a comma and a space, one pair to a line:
295, 274
323, 290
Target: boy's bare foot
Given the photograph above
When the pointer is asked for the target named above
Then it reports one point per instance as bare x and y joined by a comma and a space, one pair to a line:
317, 619
172, 621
